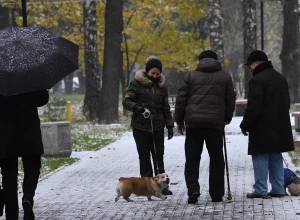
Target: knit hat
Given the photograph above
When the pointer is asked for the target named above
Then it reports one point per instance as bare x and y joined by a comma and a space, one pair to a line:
153, 63
256, 55
208, 54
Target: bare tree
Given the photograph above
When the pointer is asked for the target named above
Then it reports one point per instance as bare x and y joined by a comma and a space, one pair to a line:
250, 36
4, 17
69, 83
233, 46
113, 61
92, 71
290, 47
216, 28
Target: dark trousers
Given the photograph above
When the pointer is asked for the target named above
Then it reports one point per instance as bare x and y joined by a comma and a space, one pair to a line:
145, 148
213, 138
32, 165
9, 172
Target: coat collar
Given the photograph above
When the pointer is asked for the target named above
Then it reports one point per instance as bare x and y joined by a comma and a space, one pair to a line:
209, 65
141, 77
261, 67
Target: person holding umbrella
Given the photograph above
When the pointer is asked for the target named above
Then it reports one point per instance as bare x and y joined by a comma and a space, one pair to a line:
20, 135
147, 98
32, 60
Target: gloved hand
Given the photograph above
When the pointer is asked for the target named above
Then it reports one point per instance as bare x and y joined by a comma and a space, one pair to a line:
138, 109
170, 133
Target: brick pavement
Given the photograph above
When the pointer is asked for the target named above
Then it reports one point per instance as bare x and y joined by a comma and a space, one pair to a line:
86, 189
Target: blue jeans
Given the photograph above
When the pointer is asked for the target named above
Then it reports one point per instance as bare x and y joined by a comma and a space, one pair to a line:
264, 163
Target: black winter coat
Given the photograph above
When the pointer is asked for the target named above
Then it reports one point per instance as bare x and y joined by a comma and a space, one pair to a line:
20, 132
206, 98
267, 117
144, 92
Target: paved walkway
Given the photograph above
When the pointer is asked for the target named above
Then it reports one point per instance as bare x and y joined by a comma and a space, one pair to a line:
86, 190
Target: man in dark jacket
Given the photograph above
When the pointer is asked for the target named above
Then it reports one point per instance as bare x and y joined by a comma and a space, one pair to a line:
20, 135
205, 103
148, 91
267, 120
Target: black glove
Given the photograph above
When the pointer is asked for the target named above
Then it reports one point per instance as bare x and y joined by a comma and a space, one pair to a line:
170, 133
138, 109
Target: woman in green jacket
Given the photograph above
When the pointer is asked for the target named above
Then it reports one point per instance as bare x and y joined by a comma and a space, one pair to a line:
148, 92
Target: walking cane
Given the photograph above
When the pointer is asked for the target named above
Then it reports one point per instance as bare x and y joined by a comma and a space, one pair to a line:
229, 197
148, 114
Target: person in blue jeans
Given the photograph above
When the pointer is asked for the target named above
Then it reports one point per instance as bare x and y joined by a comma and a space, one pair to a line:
267, 121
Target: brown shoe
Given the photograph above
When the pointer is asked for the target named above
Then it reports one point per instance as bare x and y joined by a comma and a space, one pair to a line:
253, 195
275, 195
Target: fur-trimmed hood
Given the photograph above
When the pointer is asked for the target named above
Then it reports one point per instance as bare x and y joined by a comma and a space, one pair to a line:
141, 77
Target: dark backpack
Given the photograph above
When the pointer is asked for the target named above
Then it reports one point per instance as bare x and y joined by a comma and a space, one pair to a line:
289, 177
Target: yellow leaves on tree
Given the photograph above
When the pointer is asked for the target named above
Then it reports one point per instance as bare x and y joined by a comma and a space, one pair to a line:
151, 27
164, 28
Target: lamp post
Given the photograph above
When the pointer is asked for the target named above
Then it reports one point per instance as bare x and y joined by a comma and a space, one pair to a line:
24, 13
262, 23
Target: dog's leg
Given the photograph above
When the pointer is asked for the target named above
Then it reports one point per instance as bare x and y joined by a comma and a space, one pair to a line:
149, 198
127, 199
118, 193
160, 195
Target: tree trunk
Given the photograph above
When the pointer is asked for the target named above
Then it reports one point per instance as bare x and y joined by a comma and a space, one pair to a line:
216, 28
56, 89
290, 48
69, 83
92, 80
113, 62
4, 17
81, 82
250, 37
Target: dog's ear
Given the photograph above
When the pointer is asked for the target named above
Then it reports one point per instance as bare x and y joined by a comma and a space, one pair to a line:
155, 178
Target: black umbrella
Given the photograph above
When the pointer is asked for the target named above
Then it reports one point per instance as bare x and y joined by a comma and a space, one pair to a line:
34, 58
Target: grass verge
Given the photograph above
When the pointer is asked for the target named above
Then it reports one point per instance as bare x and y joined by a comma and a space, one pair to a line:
92, 137
295, 156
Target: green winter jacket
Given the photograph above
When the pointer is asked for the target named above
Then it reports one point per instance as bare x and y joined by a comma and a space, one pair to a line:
144, 92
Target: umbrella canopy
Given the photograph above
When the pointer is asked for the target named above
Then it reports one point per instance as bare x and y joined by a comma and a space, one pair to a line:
34, 58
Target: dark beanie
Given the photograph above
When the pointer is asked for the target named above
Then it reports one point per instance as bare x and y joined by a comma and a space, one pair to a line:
153, 63
208, 54
256, 55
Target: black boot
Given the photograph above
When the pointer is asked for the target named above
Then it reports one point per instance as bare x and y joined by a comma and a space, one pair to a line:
193, 199
167, 192
28, 212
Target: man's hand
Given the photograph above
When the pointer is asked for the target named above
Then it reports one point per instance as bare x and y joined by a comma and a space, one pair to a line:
180, 128
244, 132
170, 133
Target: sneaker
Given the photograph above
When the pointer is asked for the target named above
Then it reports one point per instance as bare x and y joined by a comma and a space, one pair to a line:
167, 192
28, 212
193, 199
